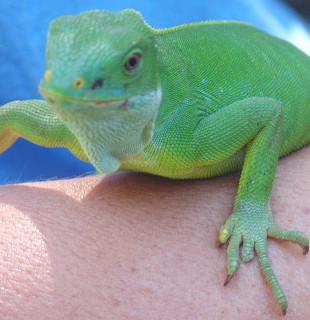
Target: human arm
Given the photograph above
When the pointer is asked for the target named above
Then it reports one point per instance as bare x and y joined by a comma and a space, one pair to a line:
134, 246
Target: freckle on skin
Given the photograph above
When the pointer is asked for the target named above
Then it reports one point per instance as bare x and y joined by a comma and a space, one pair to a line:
307, 211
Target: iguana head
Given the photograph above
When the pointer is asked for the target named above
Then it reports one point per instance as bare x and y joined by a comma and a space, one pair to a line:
101, 79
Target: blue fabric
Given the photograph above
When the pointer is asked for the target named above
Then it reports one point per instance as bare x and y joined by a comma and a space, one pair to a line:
23, 27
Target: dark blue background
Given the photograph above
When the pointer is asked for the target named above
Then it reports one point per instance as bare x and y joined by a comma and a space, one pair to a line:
23, 28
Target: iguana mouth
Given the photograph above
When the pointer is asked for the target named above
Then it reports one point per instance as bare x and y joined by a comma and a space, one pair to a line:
53, 97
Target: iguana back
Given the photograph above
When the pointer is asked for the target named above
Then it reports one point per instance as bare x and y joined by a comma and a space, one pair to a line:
207, 66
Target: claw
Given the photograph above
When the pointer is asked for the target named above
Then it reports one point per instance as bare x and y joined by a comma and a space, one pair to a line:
305, 249
228, 279
283, 312
219, 244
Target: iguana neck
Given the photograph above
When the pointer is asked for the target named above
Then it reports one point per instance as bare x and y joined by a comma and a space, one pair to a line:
114, 136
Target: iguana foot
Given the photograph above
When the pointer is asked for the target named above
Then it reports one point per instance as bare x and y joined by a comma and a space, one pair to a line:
250, 225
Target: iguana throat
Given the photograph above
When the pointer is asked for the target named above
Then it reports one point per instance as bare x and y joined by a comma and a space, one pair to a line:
111, 131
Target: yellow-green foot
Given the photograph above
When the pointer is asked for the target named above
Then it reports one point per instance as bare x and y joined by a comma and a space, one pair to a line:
250, 225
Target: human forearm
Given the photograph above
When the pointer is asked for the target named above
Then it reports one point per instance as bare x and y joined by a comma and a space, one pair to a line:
133, 246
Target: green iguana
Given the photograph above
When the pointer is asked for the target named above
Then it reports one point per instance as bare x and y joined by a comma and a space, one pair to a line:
193, 101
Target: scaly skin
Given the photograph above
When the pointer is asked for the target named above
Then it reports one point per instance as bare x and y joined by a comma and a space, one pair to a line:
194, 101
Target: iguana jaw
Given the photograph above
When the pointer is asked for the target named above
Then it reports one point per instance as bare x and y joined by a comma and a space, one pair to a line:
62, 101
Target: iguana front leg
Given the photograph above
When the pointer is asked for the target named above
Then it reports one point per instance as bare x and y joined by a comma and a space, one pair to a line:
255, 124
36, 122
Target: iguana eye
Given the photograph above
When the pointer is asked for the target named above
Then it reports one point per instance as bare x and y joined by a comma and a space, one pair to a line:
133, 62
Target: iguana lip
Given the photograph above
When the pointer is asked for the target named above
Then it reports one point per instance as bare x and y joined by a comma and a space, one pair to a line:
53, 97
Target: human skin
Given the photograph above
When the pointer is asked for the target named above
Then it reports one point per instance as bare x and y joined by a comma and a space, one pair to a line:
135, 246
